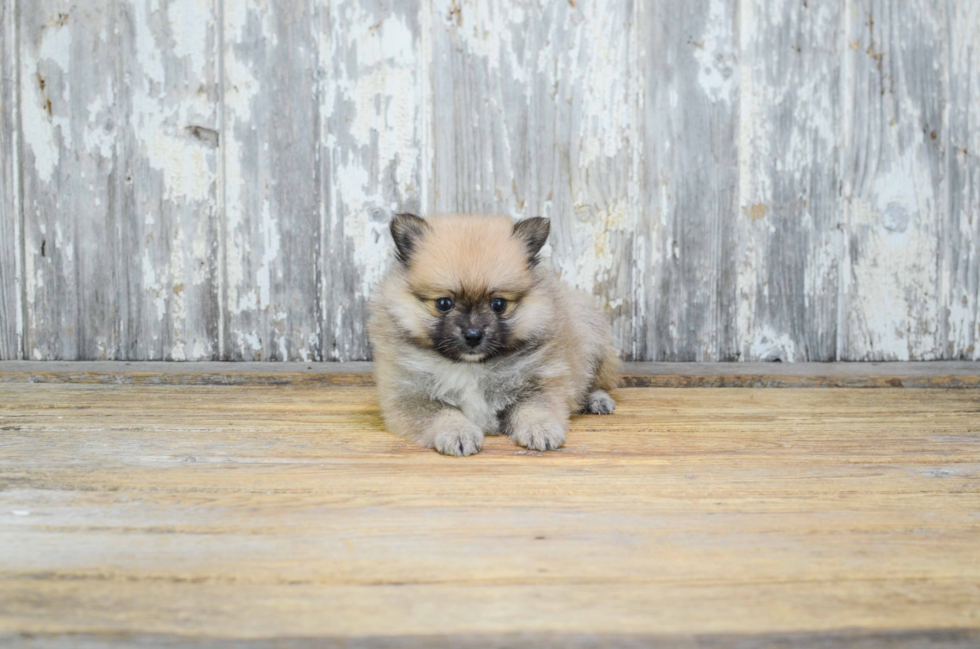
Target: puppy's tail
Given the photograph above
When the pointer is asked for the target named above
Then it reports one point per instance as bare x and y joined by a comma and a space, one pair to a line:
607, 373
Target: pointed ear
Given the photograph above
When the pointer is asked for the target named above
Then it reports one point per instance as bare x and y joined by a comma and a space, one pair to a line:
534, 233
407, 230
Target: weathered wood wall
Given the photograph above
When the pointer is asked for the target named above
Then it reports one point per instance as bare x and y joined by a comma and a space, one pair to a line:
737, 179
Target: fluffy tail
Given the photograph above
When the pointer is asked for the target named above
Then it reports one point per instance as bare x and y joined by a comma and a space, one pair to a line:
607, 373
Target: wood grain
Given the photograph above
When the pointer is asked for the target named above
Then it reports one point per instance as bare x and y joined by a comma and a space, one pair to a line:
937, 374
11, 317
76, 298
268, 512
909, 638
168, 149
961, 231
533, 115
733, 179
372, 100
119, 122
581, 138
789, 223
893, 179
271, 185
480, 102
689, 181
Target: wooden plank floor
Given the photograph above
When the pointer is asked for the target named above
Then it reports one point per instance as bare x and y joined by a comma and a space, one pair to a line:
284, 515
934, 374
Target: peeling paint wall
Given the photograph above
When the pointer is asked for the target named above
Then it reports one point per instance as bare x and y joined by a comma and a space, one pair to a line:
735, 179
11, 326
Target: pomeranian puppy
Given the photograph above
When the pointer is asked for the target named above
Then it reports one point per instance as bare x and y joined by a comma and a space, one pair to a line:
472, 337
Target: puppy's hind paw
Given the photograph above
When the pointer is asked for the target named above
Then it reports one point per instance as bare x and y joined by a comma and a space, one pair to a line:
459, 441
599, 403
540, 435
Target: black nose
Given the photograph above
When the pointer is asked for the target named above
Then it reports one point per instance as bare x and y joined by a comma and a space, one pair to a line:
473, 337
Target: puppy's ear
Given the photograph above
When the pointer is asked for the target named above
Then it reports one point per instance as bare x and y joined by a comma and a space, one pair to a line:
407, 230
533, 232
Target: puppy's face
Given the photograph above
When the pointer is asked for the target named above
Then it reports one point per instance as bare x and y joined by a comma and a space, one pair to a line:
468, 290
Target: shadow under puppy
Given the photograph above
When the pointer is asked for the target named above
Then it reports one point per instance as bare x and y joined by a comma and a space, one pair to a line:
472, 337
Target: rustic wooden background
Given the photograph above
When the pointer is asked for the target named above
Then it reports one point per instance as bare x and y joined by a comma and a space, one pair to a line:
737, 179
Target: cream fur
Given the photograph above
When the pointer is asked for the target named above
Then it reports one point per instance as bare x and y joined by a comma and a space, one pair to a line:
567, 366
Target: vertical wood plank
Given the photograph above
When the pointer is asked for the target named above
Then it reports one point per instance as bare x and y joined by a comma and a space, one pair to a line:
893, 179
371, 110
790, 238
74, 308
10, 304
119, 179
167, 107
580, 139
480, 87
533, 115
961, 245
689, 181
272, 230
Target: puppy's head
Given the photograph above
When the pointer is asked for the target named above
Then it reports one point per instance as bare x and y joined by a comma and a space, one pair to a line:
468, 289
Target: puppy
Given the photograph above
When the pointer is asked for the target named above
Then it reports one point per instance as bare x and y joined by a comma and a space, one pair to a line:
472, 337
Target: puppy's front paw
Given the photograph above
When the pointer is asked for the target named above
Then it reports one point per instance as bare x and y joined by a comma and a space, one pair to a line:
600, 403
540, 435
459, 440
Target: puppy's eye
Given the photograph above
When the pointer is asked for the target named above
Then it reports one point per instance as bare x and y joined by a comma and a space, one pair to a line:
499, 305
444, 304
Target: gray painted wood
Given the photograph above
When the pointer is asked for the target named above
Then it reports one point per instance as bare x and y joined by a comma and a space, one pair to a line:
533, 115
371, 110
10, 313
893, 179
271, 186
789, 219
961, 233
689, 181
480, 94
734, 179
71, 126
167, 158
119, 179
580, 165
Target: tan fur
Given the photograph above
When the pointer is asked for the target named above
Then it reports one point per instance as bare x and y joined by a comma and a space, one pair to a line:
567, 366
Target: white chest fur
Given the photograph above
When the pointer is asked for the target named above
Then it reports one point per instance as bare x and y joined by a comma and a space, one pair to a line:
479, 390
463, 385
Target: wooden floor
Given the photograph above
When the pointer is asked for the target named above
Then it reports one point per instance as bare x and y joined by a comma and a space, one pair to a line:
170, 515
